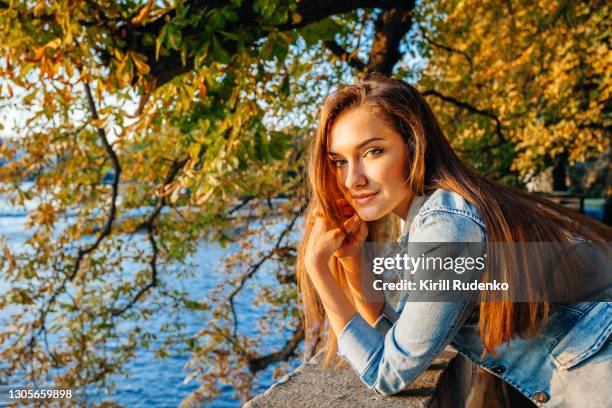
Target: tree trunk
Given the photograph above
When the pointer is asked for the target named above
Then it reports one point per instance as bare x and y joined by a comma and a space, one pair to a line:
560, 173
607, 212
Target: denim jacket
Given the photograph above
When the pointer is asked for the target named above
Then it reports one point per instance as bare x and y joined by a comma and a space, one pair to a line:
568, 364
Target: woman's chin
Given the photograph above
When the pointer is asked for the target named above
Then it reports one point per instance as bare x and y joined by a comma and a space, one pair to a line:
370, 214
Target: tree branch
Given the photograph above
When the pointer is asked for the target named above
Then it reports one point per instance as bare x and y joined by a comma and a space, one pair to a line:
289, 350
152, 283
472, 109
449, 49
257, 265
390, 28
353, 60
176, 166
167, 67
82, 252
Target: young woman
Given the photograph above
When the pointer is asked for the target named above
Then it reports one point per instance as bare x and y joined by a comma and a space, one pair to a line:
379, 153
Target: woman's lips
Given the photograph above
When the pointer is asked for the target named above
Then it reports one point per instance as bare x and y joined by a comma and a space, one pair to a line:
365, 199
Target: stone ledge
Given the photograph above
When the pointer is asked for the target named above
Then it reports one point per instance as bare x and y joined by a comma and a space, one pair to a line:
310, 385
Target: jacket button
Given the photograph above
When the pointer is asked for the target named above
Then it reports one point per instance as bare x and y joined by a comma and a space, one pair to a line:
540, 397
499, 369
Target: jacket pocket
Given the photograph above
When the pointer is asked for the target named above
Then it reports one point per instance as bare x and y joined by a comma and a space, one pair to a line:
585, 338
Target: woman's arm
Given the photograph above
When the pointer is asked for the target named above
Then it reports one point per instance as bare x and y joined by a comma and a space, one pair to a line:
368, 302
337, 307
327, 243
389, 362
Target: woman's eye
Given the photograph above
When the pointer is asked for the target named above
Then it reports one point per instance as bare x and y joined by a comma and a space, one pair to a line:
337, 162
375, 151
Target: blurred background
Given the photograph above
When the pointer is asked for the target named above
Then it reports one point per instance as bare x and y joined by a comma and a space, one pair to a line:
152, 160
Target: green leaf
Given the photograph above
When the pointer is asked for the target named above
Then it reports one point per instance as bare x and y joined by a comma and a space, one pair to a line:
160, 39
193, 305
27, 100
278, 145
230, 15
174, 37
200, 56
219, 52
216, 19
231, 36
265, 51
320, 31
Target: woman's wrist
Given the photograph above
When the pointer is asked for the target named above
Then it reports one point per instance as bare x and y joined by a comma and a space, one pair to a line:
368, 301
352, 269
316, 264
351, 263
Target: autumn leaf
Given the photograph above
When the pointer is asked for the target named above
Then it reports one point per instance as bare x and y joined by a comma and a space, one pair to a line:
139, 62
143, 13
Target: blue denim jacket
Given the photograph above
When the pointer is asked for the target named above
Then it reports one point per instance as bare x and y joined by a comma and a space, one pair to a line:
569, 364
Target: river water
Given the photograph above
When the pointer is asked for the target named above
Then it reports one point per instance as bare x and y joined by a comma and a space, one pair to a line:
154, 382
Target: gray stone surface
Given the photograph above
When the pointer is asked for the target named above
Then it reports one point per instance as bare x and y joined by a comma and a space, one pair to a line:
313, 386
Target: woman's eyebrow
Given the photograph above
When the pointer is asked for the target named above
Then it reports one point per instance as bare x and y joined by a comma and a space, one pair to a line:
365, 142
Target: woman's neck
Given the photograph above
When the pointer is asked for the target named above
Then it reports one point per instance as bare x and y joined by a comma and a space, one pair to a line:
403, 208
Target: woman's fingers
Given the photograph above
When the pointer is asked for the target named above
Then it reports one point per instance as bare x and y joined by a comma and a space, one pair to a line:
315, 213
337, 235
352, 223
362, 233
347, 209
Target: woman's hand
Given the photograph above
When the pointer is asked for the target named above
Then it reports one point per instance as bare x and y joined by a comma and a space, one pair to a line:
327, 241
345, 244
357, 232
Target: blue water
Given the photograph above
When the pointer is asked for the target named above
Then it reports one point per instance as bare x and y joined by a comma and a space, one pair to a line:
154, 382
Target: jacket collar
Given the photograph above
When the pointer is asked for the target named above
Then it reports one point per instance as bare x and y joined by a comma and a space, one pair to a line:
415, 206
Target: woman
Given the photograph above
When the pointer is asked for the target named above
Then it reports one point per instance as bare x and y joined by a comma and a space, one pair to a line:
378, 153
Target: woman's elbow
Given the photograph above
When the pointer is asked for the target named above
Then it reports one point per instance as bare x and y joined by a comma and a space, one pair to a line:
389, 385
387, 390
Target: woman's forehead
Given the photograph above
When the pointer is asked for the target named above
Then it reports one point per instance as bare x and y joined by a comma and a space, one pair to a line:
355, 128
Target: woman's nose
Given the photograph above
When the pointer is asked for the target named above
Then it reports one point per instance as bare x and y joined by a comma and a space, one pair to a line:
355, 177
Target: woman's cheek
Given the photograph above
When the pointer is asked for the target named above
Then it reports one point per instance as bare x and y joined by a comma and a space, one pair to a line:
397, 167
387, 170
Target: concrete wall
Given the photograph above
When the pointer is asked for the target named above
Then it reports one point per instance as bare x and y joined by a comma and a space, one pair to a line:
444, 384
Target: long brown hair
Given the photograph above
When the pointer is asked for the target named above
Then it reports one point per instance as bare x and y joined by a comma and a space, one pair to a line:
510, 215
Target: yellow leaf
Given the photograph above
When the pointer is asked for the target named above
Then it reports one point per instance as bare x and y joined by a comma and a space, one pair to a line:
39, 53
98, 123
143, 13
141, 66
119, 55
54, 43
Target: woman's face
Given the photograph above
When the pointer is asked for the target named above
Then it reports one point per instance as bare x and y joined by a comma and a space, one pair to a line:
369, 158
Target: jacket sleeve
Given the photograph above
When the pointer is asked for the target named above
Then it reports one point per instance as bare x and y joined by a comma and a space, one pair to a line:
393, 353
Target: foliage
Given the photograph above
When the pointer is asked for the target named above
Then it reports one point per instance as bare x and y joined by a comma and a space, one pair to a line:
538, 72
149, 126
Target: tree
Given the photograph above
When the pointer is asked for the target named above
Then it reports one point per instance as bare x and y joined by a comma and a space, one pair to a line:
535, 79
149, 126
124, 181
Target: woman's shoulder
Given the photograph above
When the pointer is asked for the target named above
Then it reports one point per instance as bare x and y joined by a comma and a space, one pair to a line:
445, 201
449, 216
